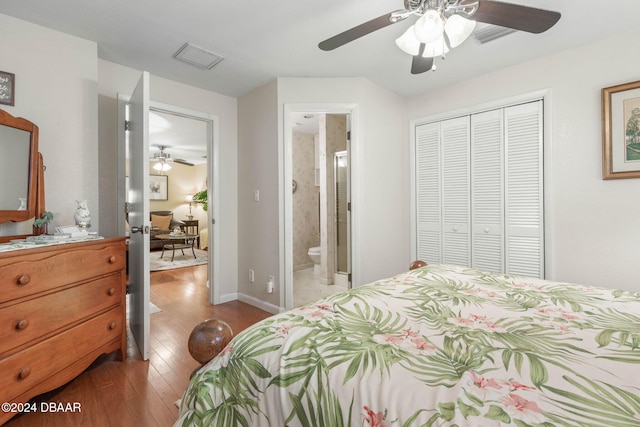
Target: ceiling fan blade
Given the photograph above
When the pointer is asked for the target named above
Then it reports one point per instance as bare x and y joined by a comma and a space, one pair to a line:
515, 16
183, 162
361, 30
420, 64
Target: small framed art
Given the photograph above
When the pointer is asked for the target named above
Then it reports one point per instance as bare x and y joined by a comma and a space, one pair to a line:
7, 88
621, 131
158, 187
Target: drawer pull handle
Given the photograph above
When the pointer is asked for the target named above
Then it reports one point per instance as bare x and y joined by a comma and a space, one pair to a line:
111, 291
112, 325
22, 325
24, 279
24, 373
112, 259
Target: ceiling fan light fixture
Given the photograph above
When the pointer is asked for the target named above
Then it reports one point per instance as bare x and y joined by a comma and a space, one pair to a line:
458, 29
429, 27
162, 166
408, 42
436, 48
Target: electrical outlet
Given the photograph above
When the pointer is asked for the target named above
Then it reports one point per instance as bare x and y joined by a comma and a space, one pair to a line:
252, 276
270, 284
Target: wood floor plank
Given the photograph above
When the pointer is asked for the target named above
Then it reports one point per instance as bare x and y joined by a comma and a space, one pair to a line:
139, 393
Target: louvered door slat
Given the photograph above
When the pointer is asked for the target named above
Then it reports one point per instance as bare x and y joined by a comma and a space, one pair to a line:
524, 189
428, 193
487, 204
455, 191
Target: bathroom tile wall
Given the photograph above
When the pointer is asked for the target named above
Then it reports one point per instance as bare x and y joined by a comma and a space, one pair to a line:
306, 232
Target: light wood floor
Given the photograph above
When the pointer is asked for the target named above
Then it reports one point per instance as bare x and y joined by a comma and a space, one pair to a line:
138, 393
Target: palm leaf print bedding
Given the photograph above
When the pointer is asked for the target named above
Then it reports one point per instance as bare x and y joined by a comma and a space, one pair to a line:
438, 346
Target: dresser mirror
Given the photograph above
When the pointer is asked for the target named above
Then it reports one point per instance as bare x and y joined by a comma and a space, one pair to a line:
19, 175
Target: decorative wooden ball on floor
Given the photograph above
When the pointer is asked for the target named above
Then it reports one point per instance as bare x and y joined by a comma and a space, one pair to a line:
208, 339
417, 264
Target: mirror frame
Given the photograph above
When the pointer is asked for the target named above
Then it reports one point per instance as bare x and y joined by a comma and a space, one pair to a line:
7, 119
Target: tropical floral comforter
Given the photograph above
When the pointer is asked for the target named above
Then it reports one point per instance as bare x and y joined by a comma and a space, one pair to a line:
437, 346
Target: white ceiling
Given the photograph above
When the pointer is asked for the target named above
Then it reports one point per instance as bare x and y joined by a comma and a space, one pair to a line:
265, 39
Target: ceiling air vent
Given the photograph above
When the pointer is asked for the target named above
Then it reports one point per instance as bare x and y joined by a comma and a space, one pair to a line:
491, 32
197, 56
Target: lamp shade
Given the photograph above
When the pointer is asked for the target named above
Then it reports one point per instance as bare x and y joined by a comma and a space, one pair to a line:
408, 42
188, 198
436, 48
458, 29
429, 27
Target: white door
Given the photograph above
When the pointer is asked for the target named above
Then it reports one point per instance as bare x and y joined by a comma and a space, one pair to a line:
428, 193
524, 190
487, 190
456, 243
138, 147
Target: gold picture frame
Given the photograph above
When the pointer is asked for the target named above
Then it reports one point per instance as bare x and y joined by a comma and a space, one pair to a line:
621, 131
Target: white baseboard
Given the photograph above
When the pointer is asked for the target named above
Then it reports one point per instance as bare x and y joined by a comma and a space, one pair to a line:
228, 297
274, 309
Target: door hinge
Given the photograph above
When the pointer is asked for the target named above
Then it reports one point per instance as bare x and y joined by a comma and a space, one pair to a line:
349, 277
349, 206
127, 125
348, 135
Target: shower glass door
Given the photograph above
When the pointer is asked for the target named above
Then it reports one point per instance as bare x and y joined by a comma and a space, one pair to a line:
341, 174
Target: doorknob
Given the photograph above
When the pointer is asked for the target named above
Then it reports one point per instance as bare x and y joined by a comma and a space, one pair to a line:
141, 229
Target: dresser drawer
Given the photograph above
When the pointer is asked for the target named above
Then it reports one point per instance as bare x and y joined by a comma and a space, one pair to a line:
24, 370
29, 320
42, 270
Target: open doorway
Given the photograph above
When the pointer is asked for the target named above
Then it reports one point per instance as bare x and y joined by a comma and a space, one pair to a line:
317, 156
185, 140
178, 202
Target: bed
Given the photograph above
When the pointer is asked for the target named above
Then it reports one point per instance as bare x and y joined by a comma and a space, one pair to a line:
437, 346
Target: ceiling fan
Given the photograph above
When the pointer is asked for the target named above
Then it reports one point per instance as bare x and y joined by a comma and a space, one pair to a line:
164, 159
445, 24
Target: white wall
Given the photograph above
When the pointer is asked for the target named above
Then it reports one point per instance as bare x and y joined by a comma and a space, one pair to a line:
258, 171
595, 237
380, 166
116, 79
56, 87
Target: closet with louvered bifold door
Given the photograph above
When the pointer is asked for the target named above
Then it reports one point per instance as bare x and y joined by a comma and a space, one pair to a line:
479, 190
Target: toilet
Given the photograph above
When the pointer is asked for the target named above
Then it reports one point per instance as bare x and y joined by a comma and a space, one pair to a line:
315, 256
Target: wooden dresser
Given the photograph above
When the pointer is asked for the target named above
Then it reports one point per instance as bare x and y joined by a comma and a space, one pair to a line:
61, 307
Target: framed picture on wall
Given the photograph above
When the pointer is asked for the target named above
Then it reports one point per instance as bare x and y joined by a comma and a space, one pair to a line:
158, 187
621, 131
7, 88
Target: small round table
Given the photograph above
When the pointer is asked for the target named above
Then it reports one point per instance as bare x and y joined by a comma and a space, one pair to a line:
178, 241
